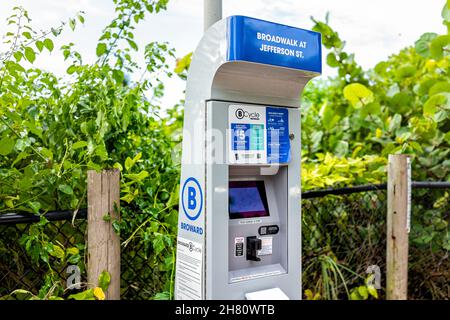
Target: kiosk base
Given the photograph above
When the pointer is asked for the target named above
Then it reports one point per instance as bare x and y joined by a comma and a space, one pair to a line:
269, 294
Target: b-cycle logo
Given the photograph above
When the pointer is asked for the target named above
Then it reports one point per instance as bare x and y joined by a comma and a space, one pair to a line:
190, 246
241, 114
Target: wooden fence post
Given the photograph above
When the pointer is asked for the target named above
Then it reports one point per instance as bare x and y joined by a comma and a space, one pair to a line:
398, 221
103, 242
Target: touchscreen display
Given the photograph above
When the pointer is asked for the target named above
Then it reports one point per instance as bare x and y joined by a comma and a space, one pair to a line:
247, 199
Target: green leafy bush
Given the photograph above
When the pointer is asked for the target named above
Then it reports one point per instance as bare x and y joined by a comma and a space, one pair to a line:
52, 130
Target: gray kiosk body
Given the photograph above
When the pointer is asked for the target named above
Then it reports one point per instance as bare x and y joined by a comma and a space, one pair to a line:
239, 219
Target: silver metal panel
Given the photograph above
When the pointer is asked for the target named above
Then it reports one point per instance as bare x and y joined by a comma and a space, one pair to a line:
217, 220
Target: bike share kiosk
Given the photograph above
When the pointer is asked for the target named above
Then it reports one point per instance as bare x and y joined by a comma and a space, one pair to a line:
239, 214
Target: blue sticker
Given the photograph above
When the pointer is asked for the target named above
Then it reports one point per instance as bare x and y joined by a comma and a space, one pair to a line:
278, 143
192, 198
275, 44
240, 136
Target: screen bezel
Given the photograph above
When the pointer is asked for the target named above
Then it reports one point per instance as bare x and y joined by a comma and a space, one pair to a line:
259, 184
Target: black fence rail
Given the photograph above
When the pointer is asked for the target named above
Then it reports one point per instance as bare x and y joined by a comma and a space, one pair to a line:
346, 225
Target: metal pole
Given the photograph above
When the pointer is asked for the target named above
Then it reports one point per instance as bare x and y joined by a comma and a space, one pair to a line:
212, 12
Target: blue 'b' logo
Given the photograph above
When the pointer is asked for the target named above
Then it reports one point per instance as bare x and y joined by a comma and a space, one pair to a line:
192, 203
192, 198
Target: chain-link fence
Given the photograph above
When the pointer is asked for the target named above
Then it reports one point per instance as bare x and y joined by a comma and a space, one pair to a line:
343, 227
343, 234
18, 270
429, 242
349, 226
140, 278
20, 266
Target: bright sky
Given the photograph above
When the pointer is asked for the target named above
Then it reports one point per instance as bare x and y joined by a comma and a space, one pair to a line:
372, 29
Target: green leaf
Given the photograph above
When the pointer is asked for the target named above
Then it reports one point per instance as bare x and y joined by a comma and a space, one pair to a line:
104, 280
437, 101
174, 197
183, 63
56, 32
57, 252
73, 251
117, 165
381, 67
354, 295
66, 54
341, 148
118, 75
422, 46
358, 94
442, 86
447, 137
14, 68
372, 291
416, 146
30, 54
84, 295
329, 116
22, 294
132, 44
101, 152
6, 146
26, 34
395, 122
362, 290
438, 45
48, 43
372, 108
116, 226
19, 157
137, 177
79, 144
101, 49
94, 166
71, 69
332, 61
158, 243
446, 12
72, 24
137, 157
162, 296
18, 55
128, 163
405, 71
401, 102
35, 206
74, 259
65, 189
47, 153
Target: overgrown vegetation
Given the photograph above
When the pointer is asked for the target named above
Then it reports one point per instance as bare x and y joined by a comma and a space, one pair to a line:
52, 130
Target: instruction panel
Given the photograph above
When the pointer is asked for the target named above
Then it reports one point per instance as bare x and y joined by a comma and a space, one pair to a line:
189, 270
259, 135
